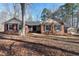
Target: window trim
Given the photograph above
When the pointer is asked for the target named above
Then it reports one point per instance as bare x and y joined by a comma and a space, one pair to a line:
47, 30
58, 27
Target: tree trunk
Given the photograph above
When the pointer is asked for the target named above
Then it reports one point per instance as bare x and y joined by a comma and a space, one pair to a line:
23, 12
72, 15
77, 20
77, 23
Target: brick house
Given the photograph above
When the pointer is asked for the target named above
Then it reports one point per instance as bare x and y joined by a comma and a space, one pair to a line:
51, 26
13, 25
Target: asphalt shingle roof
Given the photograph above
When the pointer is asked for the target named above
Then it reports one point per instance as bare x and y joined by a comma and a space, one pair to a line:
33, 22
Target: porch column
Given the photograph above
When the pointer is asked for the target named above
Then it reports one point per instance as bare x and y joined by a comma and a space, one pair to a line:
62, 29
18, 27
15, 28
5, 27
42, 28
53, 30
26, 29
8, 27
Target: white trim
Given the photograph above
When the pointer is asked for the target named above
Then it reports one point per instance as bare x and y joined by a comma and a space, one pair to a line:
47, 30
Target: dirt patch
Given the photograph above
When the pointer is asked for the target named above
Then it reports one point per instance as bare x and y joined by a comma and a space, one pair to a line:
38, 46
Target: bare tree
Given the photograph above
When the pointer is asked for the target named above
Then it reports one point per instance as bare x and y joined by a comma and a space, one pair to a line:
17, 10
7, 8
3, 16
30, 18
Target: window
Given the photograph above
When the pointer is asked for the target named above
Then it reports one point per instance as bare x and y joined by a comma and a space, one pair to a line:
47, 28
10, 27
58, 27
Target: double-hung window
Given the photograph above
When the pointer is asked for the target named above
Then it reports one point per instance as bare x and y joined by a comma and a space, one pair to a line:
58, 27
47, 28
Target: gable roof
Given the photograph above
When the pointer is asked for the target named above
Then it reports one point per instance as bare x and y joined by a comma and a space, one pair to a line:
55, 21
14, 20
33, 22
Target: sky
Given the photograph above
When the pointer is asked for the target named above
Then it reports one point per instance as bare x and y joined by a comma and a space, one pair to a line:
35, 9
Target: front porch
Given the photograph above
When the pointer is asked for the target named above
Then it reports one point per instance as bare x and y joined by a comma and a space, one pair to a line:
11, 28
